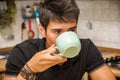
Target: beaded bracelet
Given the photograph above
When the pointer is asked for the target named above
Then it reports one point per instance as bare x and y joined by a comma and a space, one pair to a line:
27, 73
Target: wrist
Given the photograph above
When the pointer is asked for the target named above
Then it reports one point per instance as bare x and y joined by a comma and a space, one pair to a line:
27, 73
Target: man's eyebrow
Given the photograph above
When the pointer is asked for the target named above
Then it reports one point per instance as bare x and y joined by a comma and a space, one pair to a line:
73, 27
56, 29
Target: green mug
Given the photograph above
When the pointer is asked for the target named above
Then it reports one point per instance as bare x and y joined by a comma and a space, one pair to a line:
68, 44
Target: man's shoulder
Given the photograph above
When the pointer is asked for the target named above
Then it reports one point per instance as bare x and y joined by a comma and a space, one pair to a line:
85, 41
30, 44
87, 44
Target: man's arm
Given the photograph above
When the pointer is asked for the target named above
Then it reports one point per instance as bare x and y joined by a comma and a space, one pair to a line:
40, 62
19, 77
102, 73
13, 78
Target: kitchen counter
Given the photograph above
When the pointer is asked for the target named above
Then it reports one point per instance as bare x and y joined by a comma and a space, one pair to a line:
109, 55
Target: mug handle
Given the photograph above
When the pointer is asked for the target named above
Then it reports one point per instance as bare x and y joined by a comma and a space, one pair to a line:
54, 54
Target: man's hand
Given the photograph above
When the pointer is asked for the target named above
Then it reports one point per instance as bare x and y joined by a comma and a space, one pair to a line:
44, 59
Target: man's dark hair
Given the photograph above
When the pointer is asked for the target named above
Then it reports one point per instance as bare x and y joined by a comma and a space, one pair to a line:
58, 10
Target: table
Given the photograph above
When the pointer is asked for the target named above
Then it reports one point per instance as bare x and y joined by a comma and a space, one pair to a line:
2, 65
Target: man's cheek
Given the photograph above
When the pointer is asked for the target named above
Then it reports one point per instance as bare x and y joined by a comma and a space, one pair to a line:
53, 39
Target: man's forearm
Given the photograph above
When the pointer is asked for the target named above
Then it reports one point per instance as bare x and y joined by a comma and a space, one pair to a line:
26, 74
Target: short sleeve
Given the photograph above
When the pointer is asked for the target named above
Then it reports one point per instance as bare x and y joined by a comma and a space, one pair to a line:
15, 62
20, 54
94, 57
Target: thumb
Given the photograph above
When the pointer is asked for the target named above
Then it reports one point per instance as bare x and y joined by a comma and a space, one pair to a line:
52, 49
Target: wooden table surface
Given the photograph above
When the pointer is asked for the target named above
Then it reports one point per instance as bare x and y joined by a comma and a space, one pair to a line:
2, 65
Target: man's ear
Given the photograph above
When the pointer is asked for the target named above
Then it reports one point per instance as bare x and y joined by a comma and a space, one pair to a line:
41, 30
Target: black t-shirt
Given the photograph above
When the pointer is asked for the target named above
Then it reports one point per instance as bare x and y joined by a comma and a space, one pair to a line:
88, 60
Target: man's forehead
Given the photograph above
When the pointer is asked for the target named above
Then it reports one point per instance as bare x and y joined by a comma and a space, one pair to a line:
64, 25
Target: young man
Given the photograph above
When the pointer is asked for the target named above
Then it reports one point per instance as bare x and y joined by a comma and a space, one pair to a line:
33, 57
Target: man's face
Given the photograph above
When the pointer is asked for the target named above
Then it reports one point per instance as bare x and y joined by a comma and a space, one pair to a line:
54, 29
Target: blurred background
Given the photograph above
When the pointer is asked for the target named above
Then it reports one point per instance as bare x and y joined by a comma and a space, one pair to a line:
99, 20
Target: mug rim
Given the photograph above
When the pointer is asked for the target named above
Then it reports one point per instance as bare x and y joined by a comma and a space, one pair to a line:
63, 53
